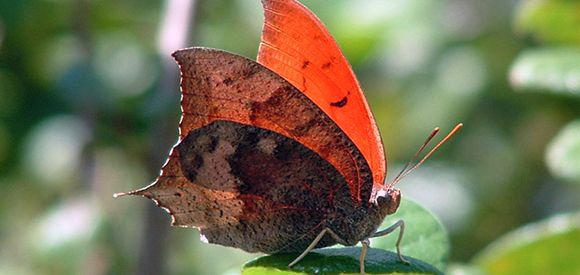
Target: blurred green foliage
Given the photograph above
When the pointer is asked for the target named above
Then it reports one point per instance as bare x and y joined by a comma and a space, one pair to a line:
84, 113
550, 69
546, 247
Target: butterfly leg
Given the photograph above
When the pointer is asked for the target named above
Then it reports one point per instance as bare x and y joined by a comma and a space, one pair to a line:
363, 253
315, 241
401, 224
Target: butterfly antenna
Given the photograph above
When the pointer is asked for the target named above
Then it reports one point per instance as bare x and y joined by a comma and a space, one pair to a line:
406, 171
431, 136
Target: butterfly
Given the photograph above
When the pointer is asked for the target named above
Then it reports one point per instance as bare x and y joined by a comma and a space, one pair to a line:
282, 154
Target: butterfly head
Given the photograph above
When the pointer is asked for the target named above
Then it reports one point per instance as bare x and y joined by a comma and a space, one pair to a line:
386, 198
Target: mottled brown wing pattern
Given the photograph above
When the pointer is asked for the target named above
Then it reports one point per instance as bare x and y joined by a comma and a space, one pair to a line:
218, 85
242, 184
288, 193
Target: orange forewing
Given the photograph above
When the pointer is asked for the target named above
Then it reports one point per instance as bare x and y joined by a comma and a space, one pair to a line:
296, 45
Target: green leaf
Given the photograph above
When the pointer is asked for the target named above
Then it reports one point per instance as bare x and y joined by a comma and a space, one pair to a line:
424, 239
555, 70
546, 247
550, 21
563, 156
338, 261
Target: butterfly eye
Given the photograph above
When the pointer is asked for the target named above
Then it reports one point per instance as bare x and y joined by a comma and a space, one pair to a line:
389, 201
383, 201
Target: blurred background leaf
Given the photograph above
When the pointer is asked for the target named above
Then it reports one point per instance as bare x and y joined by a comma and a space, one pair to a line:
89, 106
563, 153
550, 69
550, 21
545, 247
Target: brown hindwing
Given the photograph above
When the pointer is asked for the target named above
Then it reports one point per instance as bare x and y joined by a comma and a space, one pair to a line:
285, 190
